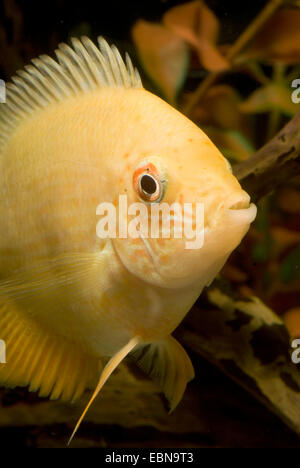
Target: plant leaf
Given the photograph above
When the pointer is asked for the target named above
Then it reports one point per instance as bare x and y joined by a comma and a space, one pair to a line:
288, 200
196, 24
164, 56
231, 143
290, 267
279, 40
220, 107
292, 321
270, 97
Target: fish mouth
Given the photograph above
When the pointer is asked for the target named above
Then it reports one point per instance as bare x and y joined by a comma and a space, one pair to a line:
241, 210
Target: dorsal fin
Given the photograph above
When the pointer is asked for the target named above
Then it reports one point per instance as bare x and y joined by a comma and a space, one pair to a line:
79, 69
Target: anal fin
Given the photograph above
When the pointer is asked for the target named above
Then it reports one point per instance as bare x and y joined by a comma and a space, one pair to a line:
167, 363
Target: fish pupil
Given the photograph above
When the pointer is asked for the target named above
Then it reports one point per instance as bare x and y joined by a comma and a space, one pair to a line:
148, 184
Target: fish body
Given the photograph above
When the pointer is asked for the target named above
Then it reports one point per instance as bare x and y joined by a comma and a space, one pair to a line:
62, 219
73, 135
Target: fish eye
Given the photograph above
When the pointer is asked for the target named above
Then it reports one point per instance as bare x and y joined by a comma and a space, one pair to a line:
147, 183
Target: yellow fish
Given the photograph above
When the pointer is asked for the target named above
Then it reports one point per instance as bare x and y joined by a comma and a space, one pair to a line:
75, 133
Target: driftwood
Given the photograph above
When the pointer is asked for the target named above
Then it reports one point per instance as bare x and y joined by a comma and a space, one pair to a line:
274, 164
248, 342
132, 413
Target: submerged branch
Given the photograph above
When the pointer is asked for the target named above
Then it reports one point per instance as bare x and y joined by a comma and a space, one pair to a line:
249, 343
274, 164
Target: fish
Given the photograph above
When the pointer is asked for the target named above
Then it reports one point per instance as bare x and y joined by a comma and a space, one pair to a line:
75, 132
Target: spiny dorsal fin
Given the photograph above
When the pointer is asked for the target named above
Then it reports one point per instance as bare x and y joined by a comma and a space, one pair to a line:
79, 69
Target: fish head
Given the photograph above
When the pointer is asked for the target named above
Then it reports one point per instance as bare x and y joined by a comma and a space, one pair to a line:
181, 179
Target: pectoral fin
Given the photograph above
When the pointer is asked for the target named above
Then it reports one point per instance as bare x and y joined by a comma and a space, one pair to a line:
167, 363
46, 363
107, 371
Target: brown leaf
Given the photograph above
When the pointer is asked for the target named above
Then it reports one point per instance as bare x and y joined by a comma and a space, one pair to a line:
196, 24
289, 200
164, 56
234, 274
292, 322
210, 57
220, 108
279, 40
283, 239
192, 21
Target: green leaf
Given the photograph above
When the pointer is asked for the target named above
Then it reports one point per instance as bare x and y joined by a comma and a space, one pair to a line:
233, 144
261, 251
270, 97
290, 267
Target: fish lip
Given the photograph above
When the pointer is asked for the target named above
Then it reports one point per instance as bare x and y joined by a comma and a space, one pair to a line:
242, 214
240, 202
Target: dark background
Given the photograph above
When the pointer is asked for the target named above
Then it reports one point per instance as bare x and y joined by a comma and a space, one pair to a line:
49, 22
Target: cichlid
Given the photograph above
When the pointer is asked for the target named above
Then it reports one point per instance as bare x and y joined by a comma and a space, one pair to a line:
74, 133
